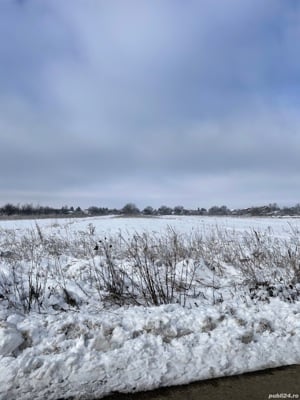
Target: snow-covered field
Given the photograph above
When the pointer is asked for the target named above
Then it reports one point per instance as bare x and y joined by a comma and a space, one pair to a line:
77, 318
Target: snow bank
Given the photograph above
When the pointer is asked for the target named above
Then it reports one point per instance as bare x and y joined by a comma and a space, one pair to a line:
88, 354
76, 348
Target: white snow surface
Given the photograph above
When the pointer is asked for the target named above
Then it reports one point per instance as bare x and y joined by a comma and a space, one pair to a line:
113, 224
90, 352
88, 355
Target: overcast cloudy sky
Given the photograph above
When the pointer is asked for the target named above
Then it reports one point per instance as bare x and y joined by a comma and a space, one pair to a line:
192, 102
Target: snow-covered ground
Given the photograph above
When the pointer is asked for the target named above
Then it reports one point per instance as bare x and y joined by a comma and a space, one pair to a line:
76, 346
110, 224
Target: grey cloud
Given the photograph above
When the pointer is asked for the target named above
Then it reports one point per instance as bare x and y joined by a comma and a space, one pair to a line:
149, 99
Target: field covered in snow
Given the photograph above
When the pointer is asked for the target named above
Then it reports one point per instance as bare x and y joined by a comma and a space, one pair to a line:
98, 305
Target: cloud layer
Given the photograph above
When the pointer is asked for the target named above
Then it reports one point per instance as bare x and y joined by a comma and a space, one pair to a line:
161, 102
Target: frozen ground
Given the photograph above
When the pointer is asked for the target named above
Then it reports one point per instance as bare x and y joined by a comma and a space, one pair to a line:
280, 227
79, 347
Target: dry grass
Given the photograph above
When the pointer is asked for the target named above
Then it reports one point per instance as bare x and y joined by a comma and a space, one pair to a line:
146, 268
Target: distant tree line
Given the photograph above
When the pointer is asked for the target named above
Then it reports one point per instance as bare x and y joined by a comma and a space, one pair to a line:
29, 210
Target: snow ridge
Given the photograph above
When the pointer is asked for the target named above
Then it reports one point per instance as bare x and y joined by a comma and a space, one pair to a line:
87, 355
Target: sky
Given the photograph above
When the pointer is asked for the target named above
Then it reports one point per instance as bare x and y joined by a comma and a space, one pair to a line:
193, 103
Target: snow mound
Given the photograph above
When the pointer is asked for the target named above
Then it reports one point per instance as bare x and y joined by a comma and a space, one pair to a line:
87, 355
10, 338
